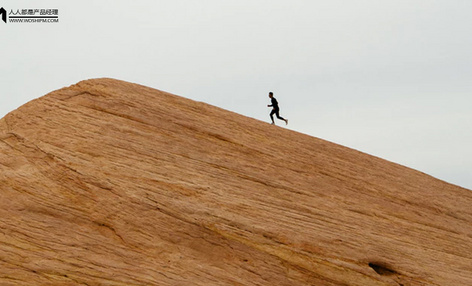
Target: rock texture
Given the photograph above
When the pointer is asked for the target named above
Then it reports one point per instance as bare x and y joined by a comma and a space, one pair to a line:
111, 183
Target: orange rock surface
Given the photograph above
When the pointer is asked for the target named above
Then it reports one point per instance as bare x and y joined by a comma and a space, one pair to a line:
111, 183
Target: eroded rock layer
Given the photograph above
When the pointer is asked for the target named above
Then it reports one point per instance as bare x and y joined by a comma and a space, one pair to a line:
112, 183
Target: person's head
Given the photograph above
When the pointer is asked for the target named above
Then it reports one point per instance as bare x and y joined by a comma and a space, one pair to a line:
271, 94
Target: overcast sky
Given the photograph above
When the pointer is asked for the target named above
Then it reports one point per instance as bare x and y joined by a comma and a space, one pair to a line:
391, 78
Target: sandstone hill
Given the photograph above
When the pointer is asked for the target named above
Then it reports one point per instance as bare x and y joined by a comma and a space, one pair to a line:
111, 183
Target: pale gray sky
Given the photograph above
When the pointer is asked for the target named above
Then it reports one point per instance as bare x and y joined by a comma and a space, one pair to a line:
392, 78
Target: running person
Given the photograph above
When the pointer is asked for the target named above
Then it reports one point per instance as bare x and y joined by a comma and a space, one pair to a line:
275, 109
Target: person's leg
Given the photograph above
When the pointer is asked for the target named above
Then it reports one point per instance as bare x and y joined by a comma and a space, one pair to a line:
272, 115
280, 117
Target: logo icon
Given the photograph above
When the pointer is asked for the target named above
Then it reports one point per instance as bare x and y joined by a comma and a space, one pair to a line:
30, 15
3, 12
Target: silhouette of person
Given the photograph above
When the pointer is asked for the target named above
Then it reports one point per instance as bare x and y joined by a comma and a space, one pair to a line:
275, 109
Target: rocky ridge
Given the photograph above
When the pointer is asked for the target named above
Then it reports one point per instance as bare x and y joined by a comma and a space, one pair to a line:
111, 183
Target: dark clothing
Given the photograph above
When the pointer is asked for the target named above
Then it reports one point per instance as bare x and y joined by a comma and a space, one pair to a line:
274, 104
276, 112
275, 109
